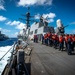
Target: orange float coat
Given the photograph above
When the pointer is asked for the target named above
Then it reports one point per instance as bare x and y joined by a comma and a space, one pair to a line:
66, 38
73, 38
61, 39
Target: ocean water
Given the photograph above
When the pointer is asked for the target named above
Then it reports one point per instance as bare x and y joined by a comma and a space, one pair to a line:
4, 47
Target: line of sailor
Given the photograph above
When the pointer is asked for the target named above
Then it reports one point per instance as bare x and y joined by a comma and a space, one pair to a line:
66, 41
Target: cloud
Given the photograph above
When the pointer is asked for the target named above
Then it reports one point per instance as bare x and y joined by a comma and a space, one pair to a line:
55, 27
2, 5
37, 16
34, 2
50, 15
47, 17
72, 23
18, 25
4, 30
2, 18
14, 23
50, 20
21, 26
16, 33
73, 31
8, 23
0, 29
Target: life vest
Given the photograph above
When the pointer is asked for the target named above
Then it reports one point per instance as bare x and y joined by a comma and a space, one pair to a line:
53, 37
45, 36
49, 35
73, 39
70, 39
60, 39
57, 38
34, 36
66, 39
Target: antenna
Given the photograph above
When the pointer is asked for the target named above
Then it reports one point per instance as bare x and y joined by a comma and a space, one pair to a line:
27, 19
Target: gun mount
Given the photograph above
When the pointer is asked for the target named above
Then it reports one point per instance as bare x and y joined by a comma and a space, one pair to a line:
61, 30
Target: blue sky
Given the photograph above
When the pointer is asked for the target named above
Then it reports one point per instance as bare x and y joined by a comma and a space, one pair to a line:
12, 10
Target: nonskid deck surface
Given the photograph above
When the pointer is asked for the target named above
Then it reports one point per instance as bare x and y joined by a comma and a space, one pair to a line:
46, 60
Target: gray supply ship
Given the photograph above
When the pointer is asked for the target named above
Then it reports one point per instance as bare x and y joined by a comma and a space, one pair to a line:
3, 37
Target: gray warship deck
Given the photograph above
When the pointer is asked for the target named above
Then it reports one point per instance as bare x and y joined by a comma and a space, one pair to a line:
46, 60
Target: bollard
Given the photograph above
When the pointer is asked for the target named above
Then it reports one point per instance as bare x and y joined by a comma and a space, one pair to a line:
20, 62
20, 56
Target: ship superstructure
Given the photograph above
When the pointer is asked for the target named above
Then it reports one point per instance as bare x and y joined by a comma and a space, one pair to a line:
39, 29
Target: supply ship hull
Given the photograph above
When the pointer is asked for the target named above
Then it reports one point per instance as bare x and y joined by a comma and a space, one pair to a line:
3, 37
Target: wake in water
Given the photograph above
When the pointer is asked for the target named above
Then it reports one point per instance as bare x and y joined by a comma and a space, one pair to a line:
3, 62
4, 47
